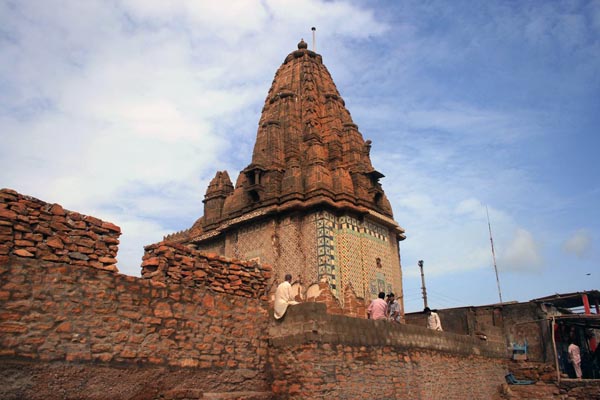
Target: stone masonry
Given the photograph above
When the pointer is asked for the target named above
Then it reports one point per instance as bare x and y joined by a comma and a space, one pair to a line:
31, 228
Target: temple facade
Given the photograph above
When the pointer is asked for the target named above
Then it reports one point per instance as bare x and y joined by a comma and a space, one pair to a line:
310, 202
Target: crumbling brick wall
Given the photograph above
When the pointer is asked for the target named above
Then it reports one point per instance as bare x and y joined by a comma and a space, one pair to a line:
54, 311
62, 302
318, 355
173, 263
31, 228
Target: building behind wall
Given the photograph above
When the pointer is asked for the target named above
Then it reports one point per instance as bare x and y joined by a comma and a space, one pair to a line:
526, 328
310, 203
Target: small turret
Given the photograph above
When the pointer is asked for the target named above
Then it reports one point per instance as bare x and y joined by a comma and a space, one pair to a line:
219, 188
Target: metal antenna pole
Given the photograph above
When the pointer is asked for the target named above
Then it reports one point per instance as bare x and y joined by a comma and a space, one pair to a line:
493, 255
420, 263
313, 29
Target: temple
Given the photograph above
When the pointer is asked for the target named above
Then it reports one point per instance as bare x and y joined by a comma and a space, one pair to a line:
198, 324
310, 202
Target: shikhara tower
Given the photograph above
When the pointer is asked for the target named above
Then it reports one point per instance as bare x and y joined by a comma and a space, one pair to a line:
310, 202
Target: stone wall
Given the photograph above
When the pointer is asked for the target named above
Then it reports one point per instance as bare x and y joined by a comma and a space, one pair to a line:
526, 322
512, 323
567, 390
317, 355
173, 263
31, 228
62, 304
53, 311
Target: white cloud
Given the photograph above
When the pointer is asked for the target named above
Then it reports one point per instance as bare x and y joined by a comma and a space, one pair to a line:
521, 254
579, 243
470, 207
126, 110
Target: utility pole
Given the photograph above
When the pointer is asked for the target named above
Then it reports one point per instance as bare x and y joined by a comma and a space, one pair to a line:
420, 263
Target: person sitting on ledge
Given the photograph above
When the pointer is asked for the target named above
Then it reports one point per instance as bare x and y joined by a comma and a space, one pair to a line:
284, 297
378, 307
433, 320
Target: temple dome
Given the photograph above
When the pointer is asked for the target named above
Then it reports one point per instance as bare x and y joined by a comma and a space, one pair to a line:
308, 152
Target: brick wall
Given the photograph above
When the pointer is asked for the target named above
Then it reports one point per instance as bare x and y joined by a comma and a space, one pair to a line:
173, 263
53, 311
316, 355
512, 323
62, 304
31, 228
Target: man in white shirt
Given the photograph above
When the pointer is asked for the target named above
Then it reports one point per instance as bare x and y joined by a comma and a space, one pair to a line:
433, 320
284, 297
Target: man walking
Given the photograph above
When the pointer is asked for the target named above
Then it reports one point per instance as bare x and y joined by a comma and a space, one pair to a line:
433, 320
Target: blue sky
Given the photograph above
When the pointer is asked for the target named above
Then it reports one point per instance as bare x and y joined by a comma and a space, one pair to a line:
126, 109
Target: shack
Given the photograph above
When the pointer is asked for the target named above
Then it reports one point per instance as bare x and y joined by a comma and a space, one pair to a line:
538, 330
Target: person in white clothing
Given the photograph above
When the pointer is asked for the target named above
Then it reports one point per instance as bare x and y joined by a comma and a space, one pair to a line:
284, 297
575, 358
433, 320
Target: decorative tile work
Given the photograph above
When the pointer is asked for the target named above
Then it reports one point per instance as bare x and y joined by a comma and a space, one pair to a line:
376, 231
359, 245
343, 250
214, 246
348, 243
386, 273
309, 248
289, 245
325, 224
297, 242
255, 241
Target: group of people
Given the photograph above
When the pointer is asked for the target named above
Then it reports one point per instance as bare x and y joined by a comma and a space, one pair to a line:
382, 308
388, 308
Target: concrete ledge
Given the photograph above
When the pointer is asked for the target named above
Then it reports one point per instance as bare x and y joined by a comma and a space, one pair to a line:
309, 323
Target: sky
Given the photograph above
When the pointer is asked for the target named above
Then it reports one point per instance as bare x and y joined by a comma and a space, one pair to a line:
125, 109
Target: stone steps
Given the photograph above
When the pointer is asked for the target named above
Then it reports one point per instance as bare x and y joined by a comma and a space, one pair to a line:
537, 391
197, 394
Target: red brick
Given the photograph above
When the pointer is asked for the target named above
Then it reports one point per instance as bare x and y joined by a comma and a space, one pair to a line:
57, 209
22, 253
111, 227
78, 356
13, 327
65, 326
55, 242
7, 214
163, 310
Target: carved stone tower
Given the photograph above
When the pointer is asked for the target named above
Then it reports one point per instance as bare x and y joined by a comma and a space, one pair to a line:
310, 202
